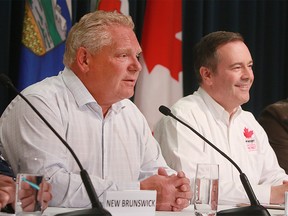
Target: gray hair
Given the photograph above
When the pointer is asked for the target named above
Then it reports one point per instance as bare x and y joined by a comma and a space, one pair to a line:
92, 32
205, 52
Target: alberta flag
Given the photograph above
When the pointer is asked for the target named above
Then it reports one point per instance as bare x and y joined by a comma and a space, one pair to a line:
160, 82
46, 24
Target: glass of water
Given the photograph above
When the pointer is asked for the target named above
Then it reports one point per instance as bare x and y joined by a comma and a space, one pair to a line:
206, 184
29, 188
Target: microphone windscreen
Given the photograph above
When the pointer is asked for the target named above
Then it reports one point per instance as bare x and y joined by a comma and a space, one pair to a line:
164, 110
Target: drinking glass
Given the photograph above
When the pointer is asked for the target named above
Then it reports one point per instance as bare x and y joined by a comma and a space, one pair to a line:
28, 188
206, 184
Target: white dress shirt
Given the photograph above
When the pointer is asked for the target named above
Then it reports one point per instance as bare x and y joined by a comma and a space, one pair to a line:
240, 137
117, 151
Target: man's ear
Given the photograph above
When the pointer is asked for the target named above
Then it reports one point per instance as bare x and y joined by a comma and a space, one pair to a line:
206, 75
82, 59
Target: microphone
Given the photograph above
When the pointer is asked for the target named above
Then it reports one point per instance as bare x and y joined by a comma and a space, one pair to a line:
97, 208
255, 208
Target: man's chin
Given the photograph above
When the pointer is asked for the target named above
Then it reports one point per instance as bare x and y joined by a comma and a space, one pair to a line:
128, 95
245, 100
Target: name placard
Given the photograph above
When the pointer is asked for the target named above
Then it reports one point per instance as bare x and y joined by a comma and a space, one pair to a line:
130, 202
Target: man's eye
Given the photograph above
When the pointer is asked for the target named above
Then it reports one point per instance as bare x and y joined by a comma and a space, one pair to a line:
138, 57
236, 68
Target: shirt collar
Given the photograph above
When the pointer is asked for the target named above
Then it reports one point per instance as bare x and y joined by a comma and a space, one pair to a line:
218, 111
76, 87
82, 95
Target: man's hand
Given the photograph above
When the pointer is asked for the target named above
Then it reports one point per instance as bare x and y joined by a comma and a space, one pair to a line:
7, 191
27, 195
278, 193
173, 192
45, 192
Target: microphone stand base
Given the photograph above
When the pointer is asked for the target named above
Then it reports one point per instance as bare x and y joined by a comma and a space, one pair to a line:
257, 210
86, 212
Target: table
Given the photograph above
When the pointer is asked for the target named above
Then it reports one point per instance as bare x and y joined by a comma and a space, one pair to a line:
51, 211
186, 212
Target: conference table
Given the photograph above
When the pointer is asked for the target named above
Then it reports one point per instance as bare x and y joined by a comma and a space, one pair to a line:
51, 211
186, 212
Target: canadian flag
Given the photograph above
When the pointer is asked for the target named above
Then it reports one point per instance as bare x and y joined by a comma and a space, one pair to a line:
160, 82
111, 5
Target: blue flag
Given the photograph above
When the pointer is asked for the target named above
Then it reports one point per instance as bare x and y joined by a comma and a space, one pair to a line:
46, 24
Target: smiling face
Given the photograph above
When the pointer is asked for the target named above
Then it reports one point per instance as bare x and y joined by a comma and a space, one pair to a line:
229, 85
112, 72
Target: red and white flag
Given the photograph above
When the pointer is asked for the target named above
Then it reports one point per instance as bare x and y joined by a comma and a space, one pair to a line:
111, 5
160, 82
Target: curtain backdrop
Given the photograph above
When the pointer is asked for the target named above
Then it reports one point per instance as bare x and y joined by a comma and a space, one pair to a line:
262, 23
11, 17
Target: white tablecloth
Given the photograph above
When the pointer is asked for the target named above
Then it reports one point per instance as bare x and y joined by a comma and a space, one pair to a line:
186, 212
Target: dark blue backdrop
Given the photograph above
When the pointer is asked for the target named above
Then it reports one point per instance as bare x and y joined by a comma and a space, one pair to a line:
262, 23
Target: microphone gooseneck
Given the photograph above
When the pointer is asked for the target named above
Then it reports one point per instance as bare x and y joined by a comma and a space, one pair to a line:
255, 209
97, 208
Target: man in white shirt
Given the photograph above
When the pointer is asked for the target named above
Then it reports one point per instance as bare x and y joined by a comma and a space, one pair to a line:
223, 65
88, 105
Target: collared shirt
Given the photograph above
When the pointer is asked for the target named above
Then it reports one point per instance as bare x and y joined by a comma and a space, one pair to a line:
240, 137
117, 151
